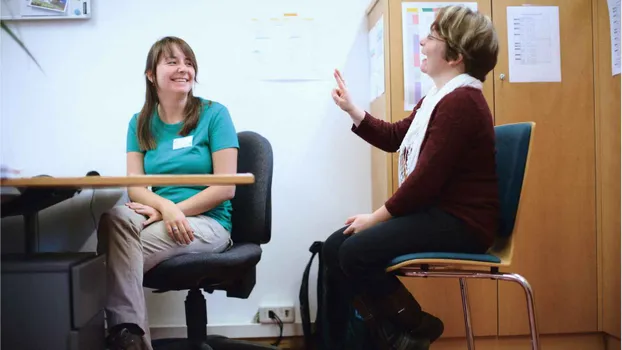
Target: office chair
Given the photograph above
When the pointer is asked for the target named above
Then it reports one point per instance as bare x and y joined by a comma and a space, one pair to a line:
232, 271
513, 145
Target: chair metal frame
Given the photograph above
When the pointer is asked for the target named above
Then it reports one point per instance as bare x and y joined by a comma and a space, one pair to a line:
503, 248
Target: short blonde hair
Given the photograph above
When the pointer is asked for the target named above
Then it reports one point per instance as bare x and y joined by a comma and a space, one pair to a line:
471, 34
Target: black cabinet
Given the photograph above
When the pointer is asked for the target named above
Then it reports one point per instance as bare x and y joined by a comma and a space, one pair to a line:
53, 301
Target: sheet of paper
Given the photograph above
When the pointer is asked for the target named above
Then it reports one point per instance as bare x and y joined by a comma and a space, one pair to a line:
285, 48
416, 20
533, 44
376, 58
614, 26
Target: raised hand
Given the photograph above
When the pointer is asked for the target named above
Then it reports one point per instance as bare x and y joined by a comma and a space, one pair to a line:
340, 94
342, 98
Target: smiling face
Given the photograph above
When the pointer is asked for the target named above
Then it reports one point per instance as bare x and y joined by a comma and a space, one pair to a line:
461, 41
171, 68
175, 72
435, 50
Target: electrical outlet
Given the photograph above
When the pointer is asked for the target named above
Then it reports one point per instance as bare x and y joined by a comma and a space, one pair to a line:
285, 313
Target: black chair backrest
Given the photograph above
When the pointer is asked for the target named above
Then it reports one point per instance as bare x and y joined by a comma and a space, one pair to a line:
252, 209
512, 150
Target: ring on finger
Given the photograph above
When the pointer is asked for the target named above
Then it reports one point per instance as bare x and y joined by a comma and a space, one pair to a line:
175, 229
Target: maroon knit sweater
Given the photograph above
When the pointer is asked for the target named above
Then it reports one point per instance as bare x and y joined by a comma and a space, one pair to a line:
456, 166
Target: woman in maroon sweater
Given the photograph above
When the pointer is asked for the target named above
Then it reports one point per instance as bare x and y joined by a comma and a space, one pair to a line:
447, 199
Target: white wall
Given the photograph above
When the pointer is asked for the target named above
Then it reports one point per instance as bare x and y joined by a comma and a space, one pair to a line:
73, 117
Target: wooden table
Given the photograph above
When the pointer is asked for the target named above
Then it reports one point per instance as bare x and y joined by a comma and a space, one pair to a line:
128, 181
32, 194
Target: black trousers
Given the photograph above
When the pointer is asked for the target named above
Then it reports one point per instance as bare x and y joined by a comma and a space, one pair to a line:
356, 263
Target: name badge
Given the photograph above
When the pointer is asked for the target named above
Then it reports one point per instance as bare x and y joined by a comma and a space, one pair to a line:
182, 142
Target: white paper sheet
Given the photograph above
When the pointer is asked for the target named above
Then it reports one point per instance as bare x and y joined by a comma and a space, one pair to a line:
285, 48
533, 44
416, 20
614, 27
376, 58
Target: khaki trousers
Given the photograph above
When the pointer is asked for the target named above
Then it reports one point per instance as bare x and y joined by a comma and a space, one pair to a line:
132, 250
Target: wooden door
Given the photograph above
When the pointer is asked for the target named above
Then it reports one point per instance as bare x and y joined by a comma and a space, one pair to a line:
556, 244
441, 297
381, 171
607, 94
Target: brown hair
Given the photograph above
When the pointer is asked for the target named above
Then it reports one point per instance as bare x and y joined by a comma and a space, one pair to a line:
471, 34
193, 107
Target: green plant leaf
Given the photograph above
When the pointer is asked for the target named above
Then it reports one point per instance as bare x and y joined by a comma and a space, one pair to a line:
19, 42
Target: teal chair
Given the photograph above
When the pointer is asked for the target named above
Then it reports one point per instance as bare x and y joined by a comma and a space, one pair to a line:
513, 145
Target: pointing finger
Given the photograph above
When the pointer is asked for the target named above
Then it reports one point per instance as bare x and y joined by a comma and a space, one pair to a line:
340, 81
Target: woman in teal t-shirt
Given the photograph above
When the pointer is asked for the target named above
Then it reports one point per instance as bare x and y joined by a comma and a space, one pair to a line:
174, 133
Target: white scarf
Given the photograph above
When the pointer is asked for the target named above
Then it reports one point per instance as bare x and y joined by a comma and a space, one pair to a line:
411, 144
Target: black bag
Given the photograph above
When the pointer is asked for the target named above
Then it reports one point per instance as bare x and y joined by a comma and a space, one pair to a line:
357, 337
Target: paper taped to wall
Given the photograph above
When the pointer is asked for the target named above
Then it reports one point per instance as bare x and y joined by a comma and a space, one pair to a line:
614, 27
285, 47
533, 44
376, 59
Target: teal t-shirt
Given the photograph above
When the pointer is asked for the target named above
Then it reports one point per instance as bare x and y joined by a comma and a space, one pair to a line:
192, 154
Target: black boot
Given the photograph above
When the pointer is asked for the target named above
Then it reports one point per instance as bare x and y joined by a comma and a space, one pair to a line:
384, 333
431, 327
125, 337
401, 308
363, 306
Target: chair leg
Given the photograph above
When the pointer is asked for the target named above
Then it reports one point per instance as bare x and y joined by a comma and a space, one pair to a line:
533, 328
462, 275
467, 314
196, 317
